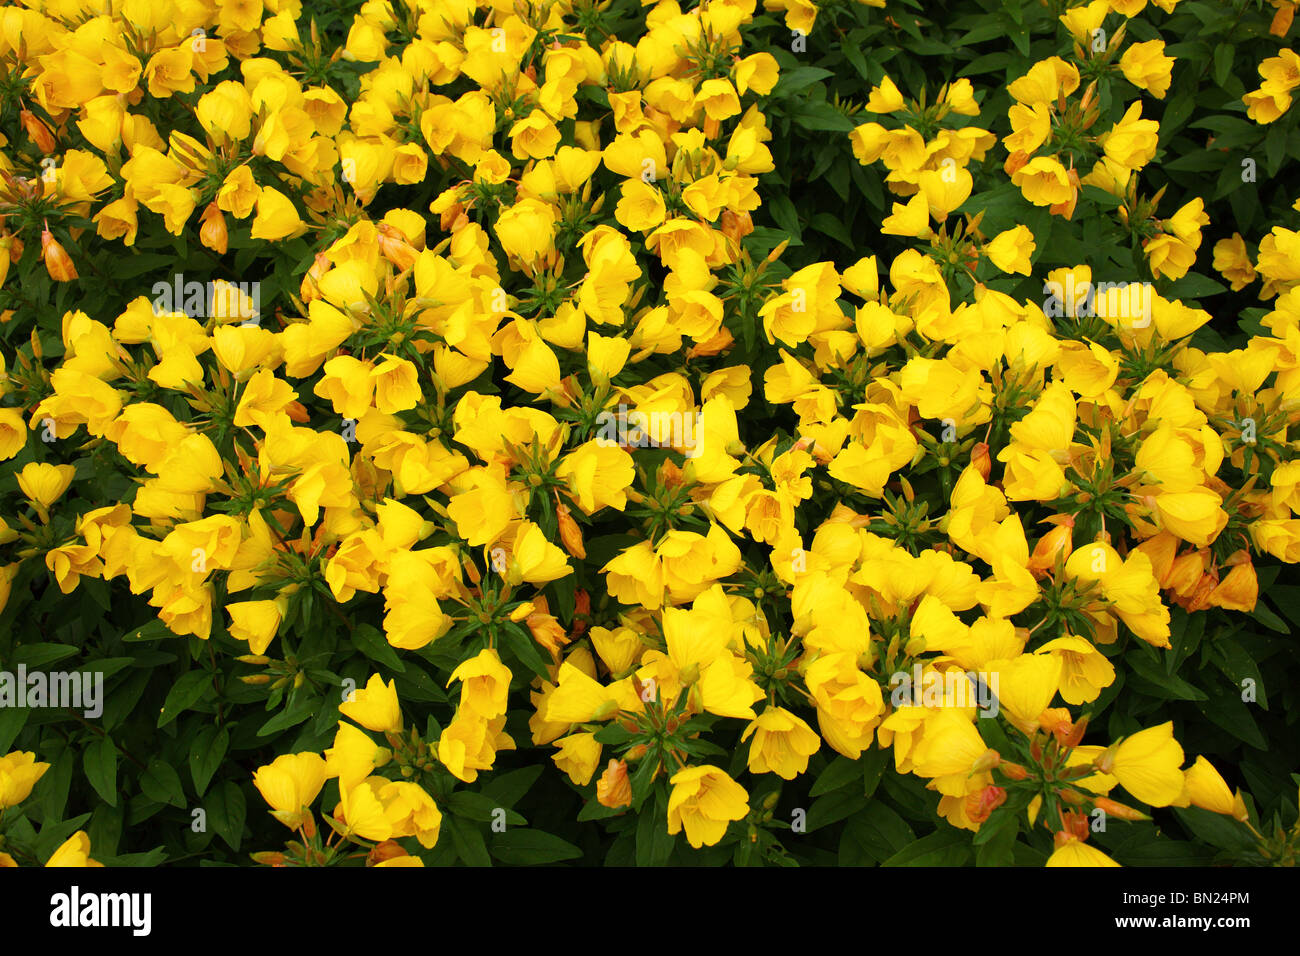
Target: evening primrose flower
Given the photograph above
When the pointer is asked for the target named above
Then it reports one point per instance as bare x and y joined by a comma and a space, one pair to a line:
74, 852
375, 707
19, 772
782, 744
44, 484
1072, 852
290, 784
704, 801
1146, 765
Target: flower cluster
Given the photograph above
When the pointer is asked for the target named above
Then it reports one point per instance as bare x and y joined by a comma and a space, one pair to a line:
486, 229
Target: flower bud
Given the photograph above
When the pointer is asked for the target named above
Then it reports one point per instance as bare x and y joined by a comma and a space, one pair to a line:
212, 232
39, 133
57, 261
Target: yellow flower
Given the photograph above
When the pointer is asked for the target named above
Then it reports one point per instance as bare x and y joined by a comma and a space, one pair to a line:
1010, 250
276, 216
1043, 181
1146, 67
44, 484
75, 852
19, 772
485, 682
703, 801
290, 784
782, 744
1205, 788
579, 755
375, 707
255, 622
1072, 852
1147, 763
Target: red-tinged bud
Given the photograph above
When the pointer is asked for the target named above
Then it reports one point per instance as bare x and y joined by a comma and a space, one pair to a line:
1076, 824
16, 248
1120, 810
986, 761
395, 247
581, 612
471, 570
39, 133
269, 858
297, 412
308, 290
979, 457
1056, 721
670, 476
57, 261
983, 802
1013, 771
1075, 736
308, 824
1036, 748
387, 850
637, 752
1015, 162
1073, 797
1057, 542
736, 225
212, 232
570, 532
449, 216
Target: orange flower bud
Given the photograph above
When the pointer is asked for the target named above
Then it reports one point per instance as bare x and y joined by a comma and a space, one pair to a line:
212, 232
394, 247
1120, 810
40, 134
736, 225
1013, 771
309, 290
983, 802
297, 412
570, 533
979, 457
450, 215
1058, 541
547, 631
57, 261
385, 851
1240, 589
613, 789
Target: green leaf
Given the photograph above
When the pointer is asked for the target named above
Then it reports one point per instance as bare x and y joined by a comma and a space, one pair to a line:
184, 694
945, 847
801, 77
823, 116
834, 807
840, 772
875, 834
468, 840
160, 782
374, 645
226, 811
206, 753
522, 846
507, 789
100, 763
480, 808
654, 844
